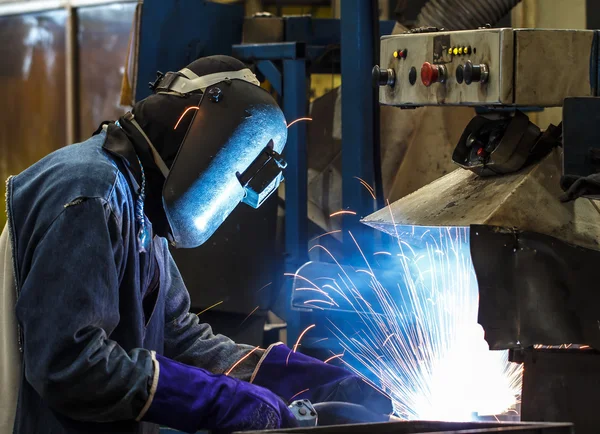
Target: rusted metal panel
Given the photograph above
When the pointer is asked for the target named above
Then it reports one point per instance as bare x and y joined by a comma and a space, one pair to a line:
103, 38
33, 120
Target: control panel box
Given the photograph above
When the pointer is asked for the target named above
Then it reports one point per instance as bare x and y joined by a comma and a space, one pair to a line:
513, 67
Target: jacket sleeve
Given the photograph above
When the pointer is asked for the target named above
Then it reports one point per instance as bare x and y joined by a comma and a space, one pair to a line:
68, 306
190, 342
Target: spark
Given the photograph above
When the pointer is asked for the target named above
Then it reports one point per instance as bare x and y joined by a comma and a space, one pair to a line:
297, 276
240, 361
210, 307
184, 113
319, 301
325, 234
302, 334
299, 393
268, 284
438, 365
337, 356
388, 338
342, 212
367, 186
298, 120
382, 253
293, 350
249, 315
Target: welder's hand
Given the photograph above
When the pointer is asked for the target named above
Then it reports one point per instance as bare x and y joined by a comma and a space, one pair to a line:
576, 187
287, 373
191, 399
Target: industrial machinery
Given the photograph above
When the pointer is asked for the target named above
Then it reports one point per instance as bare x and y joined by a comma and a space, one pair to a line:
534, 256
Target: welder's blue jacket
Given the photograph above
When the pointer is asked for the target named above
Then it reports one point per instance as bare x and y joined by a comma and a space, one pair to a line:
92, 309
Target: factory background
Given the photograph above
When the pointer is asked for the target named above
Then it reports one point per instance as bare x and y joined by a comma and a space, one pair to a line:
69, 65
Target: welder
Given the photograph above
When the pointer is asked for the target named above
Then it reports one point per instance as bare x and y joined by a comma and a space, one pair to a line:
98, 333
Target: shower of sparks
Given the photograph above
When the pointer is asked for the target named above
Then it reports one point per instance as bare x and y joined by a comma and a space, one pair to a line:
210, 307
417, 337
240, 361
298, 120
185, 113
342, 212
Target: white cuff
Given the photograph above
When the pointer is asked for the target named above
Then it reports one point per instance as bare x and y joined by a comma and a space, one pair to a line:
152, 387
263, 358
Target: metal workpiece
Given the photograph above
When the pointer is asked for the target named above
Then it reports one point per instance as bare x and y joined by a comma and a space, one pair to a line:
526, 200
430, 427
489, 67
534, 290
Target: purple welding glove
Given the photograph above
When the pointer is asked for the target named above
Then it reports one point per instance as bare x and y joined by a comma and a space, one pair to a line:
287, 376
191, 399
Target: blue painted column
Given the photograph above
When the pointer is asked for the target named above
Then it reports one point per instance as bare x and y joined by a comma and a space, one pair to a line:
296, 178
358, 114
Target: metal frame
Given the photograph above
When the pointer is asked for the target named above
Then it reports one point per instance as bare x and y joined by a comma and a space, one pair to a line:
291, 83
359, 109
284, 65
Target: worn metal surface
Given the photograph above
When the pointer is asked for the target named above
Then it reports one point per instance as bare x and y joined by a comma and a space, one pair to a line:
551, 65
527, 200
534, 289
424, 427
103, 36
33, 121
261, 30
562, 385
527, 67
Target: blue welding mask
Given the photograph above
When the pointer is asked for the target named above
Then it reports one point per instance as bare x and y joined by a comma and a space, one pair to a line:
231, 152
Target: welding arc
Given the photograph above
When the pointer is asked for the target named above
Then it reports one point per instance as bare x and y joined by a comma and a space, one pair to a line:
419, 339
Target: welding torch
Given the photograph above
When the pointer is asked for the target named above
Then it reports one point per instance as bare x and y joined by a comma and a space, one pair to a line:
334, 413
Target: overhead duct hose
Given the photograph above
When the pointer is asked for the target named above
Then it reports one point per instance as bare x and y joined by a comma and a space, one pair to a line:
463, 14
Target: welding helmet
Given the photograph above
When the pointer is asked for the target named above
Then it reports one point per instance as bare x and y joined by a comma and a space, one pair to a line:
231, 152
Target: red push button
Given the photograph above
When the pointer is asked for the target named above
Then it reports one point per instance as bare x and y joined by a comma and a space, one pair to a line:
429, 74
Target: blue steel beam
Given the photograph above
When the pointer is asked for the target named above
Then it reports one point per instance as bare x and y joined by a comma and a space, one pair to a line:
270, 51
358, 110
296, 212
